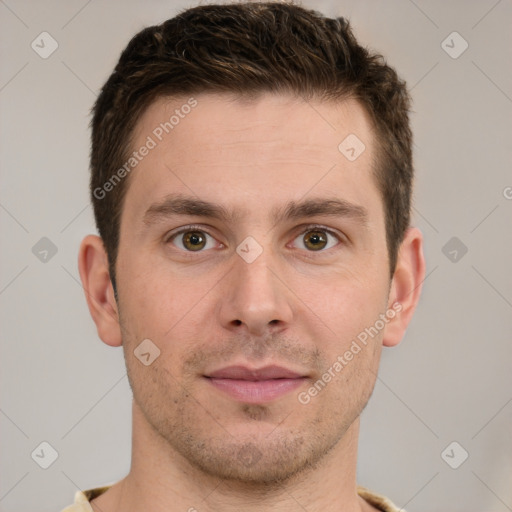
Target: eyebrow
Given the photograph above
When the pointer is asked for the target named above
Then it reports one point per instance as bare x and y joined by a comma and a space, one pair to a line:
176, 205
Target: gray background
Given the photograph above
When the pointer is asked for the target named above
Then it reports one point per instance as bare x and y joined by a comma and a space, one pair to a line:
450, 379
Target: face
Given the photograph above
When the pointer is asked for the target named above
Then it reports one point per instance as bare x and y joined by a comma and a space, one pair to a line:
253, 254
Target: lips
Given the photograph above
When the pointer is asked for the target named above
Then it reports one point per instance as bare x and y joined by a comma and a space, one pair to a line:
243, 373
255, 385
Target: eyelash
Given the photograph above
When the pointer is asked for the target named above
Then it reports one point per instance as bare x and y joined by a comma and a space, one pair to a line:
311, 227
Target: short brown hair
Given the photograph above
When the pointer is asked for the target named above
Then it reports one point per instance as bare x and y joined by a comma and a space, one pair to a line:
245, 49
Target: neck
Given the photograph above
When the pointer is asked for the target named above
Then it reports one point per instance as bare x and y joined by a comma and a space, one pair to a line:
160, 479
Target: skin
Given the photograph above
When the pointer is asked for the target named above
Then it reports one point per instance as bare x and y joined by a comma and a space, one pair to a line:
295, 305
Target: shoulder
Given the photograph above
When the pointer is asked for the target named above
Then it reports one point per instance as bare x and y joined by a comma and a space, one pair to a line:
377, 500
83, 499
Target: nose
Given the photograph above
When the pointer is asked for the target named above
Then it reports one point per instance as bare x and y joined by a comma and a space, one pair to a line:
255, 298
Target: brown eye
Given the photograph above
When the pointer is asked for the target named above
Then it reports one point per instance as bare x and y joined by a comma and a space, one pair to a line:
194, 240
315, 240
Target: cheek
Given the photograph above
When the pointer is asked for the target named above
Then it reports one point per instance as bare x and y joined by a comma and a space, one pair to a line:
344, 306
168, 308
152, 298
351, 346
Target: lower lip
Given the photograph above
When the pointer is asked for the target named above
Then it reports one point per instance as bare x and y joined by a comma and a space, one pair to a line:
256, 391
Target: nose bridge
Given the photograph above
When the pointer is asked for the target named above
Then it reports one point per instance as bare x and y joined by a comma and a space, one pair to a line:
254, 277
254, 296
257, 273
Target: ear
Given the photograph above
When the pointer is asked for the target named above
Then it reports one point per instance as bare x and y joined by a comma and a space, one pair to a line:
93, 267
405, 286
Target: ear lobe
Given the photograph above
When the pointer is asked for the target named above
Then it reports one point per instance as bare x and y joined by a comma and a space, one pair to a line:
405, 286
99, 293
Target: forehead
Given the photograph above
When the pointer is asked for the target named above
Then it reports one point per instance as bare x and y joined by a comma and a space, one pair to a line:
221, 119
252, 152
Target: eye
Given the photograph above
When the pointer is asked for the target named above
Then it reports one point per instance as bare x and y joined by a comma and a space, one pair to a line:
316, 239
192, 240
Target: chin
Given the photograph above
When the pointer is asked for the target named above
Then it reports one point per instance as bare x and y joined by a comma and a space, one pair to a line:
251, 464
255, 460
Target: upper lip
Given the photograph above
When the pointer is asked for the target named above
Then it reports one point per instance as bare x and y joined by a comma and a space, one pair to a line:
244, 373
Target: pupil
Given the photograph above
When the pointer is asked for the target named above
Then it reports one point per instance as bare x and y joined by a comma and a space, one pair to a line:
316, 240
195, 240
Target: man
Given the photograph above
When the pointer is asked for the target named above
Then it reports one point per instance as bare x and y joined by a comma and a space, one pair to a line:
251, 182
